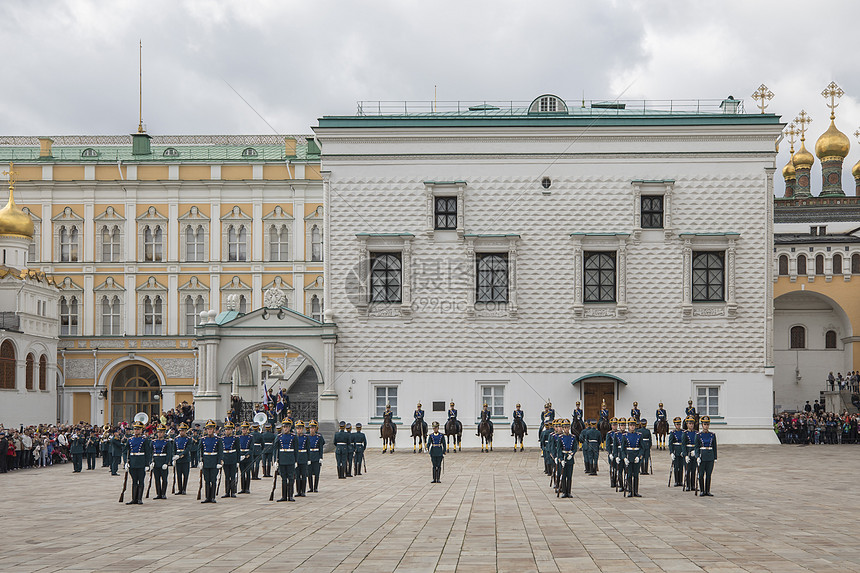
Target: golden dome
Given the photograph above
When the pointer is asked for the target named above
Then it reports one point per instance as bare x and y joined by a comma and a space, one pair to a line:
832, 143
802, 158
788, 172
15, 222
856, 170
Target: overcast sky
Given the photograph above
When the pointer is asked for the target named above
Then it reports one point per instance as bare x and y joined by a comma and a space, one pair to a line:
71, 66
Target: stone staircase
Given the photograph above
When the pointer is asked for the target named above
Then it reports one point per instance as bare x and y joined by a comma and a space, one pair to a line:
838, 401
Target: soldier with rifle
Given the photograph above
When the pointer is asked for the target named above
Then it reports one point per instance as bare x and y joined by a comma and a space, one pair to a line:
211, 450
359, 442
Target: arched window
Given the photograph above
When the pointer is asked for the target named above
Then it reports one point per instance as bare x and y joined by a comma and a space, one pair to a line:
801, 264
69, 316
135, 389
243, 304
89, 152
249, 152
830, 339
110, 315
68, 244
152, 243
43, 372
152, 315
855, 264
797, 337
237, 248
171, 152
193, 307
7, 365
837, 264
29, 372
316, 244
110, 244
279, 243
819, 264
316, 308
194, 243
783, 265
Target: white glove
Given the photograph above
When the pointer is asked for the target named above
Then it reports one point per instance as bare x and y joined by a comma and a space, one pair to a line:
687, 459
175, 458
626, 462
699, 460
320, 462
126, 466
309, 463
218, 466
636, 460
151, 466
673, 457
164, 466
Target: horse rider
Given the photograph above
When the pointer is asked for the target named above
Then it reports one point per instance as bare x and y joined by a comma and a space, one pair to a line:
590, 438
689, 445
660, 415
182, 458
437, 448
285, 455
519, 415
609, 446
452, 414
706, 455
350, 451
690, 411
676, 448
316, 443
418, 415
632, 447
246, 457
211, 449
387, 418
635, 412
646, 445
359, 443
162, 452
342, 441
577, 413
547, 416
566, 448
139, 450
604, 412
485, 417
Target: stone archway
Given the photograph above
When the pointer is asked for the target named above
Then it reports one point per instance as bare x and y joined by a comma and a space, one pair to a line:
134, 388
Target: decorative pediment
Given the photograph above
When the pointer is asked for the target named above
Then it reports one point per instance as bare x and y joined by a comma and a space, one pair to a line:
278, 283
235, 284
68, 285
109, 215
278, 214
268, 319
36, 218
236, 214
151, 285
315, 215
193, 214
109, 285
194, 285
152, 215
317, 284
68, 215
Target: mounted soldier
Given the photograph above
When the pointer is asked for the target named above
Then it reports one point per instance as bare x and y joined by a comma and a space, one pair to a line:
635, 413
388, 430
419, 429
485, 429
547, 416
518, 427
690, 412
661, 426
453, 428
577, 425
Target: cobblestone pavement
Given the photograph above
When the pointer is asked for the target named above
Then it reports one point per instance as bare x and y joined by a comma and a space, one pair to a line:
776, 508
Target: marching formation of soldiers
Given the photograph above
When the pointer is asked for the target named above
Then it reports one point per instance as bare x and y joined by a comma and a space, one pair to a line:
693, 455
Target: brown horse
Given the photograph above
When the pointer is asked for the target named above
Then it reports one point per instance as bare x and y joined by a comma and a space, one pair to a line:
419, 435
661, 430
486, 432
519, 431
388, 432
604, 426
576, 427
453, 431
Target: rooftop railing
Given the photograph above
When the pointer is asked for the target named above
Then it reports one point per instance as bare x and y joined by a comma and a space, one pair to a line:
574, 108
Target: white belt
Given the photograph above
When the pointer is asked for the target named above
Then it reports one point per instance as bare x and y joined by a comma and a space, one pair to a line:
137, 453
706, 448
632, 449
210, 453
290, 450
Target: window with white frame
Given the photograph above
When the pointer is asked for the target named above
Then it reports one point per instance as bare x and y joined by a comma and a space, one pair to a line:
237, 243
708, 400
445, 213
279, 243
600, 275
33, 247
195, 243
316, 243
110, 235
709, 276
652, 208
599, 278
153, 243
110, 313
386, 395
492, 277
493, 395
69, 316
385, 277
316, 308
153, 315
192, 308
68, 243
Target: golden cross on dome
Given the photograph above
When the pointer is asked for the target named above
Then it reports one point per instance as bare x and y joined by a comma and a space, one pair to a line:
833, 92
762, 95
857, 134
11, 173
791, 132
802, 120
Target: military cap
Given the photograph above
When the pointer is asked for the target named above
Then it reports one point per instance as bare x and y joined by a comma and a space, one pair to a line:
312, 423
577, 402
690, 419
419, 404
631, 420
211, 424
613, 420
660, 405
485, 404
349, 426
592, 422
183, 426
357, 425
706, 419
435, 424
286, 422
677, 419
342, 424
229, 424
161, 428
245, 424
549, 404
300, 424
137, 424
690, 402
643, 421
518, 404
452, 403
635, 403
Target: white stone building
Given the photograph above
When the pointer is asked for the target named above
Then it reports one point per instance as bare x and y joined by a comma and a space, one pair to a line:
554, 251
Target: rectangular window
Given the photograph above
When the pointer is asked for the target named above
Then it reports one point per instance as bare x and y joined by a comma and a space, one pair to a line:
31, 250
385, 277
599, 276
110, 315
194, 243
68, 244
152, 315
446, 213
278, 243
237, 249
492, 277
152, 244
69, 316
708, 400
494, 398
652, 211
386, 395
709, 276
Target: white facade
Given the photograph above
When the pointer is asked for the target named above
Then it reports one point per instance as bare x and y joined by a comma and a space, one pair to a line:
439, 344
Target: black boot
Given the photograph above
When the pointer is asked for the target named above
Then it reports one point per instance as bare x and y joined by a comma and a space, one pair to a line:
301, 487
283, 491
316, 483
290, 490
233, 486
132, 499
636, 486
139, 495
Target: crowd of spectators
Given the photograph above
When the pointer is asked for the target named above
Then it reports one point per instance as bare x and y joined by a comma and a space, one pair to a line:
34, 446
813, 425
851, 381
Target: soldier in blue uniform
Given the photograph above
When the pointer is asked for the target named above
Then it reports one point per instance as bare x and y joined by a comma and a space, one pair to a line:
660, 415
620, 456
418, 418
211, 450
246, 457
116, 448
302, 459
556, 460
486, 416
182, 446
577, 413
604, 412
162, 451
195, 446
268, 437
590, 439
77, 444
545, 435
359, 442
646, 445
285, 454
631, 445
609, 446
689, 444
342, 441
635, 413
690, 412
139, 450
547, 416
256, 450
518, 414
350, 451
706, 455
566, 446
437, 448
676, 450
316, 443
230, 460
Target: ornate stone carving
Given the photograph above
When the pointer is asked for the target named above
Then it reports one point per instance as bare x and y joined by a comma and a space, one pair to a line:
274, 298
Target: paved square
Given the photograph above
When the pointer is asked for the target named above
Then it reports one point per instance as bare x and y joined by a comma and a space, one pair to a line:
776, 508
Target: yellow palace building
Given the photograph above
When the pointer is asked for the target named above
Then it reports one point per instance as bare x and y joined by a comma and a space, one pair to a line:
142, 233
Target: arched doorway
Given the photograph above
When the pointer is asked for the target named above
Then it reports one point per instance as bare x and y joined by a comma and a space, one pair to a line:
135, 389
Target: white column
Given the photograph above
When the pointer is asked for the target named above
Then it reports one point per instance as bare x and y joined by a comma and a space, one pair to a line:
257, 228
298, 232
89, 311
256, 291
215, 232
130, 233
173, 305
215, 292
130, 326
88, 236
47, 250
173, 231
